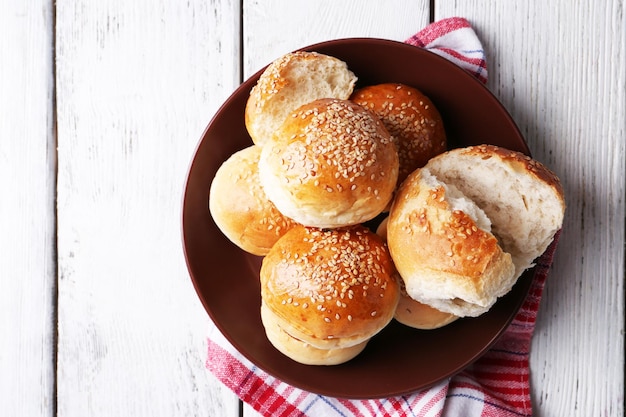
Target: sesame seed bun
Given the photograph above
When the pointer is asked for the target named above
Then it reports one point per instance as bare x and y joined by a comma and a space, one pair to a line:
290, 81
412, 120
331, 289
240, 207
464, 227
331, 164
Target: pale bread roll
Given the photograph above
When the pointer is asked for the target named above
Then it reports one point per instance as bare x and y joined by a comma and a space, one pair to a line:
240, 208
421, 316
290, 81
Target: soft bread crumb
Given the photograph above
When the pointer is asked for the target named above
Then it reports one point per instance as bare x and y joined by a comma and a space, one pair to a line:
458, 201
523, 199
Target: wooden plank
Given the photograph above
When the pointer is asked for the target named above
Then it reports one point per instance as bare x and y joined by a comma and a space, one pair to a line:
274, 27
27, 220
137, 82
559, 69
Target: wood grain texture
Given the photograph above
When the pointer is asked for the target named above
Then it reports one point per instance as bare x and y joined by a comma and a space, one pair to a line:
135, 85
272, 28
27, 222
559, 68
137, 82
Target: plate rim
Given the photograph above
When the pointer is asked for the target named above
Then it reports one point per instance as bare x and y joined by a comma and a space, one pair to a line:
525, 279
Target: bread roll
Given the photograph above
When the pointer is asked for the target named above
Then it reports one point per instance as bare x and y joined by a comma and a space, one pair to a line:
331, 164
463, 228
240, 207
330, 289
421, 316
290, 81
412, 120
304, 352
410, 312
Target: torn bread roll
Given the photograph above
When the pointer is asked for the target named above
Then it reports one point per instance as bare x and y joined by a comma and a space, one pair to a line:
464, 227
240, 208
331, 164
412, 120
329, 290
290, 81
410, 312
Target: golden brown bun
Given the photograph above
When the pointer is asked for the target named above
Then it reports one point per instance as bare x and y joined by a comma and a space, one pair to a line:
381, 230
413, 313
290, 81
331, 289
444, 256
331, 164
464, 227
421, 316
301, 351
240, 207
412, 120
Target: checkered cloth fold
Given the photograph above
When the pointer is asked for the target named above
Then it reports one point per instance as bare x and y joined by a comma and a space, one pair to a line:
495, 385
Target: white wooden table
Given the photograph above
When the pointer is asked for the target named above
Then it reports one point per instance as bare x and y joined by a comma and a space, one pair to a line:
101, 106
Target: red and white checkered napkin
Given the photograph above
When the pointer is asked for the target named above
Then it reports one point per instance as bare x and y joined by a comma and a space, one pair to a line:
495, 385
455, 40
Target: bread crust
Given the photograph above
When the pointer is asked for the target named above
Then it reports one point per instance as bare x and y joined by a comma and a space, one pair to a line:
304, 352
460, 260
240, 207
331, 164
410, 312
421, 316
412, 120
290, 81
330, 288
444, 258
522, 197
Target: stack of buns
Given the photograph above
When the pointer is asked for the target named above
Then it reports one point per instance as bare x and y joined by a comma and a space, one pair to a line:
327, 159
326, 292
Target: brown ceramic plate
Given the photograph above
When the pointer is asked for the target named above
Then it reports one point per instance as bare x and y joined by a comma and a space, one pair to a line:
399, 360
